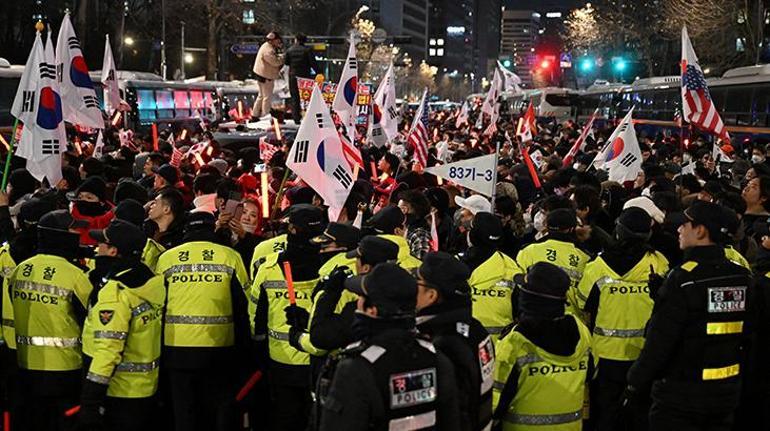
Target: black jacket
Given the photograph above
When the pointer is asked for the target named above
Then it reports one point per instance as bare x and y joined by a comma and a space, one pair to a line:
459, 336
357, 401
300, 60
678, 349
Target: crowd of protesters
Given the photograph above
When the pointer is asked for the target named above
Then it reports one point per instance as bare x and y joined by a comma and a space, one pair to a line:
588, 220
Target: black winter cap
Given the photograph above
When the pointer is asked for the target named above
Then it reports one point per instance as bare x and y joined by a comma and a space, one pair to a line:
388, 287
441, 271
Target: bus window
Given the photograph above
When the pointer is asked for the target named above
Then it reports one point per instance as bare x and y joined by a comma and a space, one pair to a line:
181, 104
738, 106
762, 105
145, 102
165, 101
196, 100
560, 99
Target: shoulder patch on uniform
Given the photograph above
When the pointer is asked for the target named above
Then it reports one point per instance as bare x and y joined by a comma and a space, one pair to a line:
373, 353
689, 266
427, 344
105, 316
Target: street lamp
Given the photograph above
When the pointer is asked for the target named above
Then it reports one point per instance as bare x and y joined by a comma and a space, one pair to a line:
129, 41
188, 58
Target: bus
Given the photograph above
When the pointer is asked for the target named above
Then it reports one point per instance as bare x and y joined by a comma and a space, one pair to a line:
740, 95
10, 76
549, 102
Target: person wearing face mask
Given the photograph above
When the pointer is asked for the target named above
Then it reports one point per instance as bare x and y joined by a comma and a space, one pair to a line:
444, 314
543, 361
390, 378
205, 328
335, 242
89, 203
758, 154
558, 247
49, 297
619, 304
491, 277
468, 207
125, 328
289, 383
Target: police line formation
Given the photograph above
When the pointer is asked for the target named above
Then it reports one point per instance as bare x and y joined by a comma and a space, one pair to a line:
134, 301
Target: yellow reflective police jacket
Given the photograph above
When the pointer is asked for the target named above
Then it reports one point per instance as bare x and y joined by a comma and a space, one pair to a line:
199, 308
405, 258
151, 253
127, 324
346, 297
7, 265
550, 388
736, 257
270, 283
562, 254
491, 288
265, 249
44, 289
624, 305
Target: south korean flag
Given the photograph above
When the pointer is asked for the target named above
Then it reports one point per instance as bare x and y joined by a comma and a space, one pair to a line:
317, 156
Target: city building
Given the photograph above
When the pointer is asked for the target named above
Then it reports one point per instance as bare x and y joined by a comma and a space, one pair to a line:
403, 18
518, 38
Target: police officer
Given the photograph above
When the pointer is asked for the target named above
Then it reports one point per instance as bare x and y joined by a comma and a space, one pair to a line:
336, 241
389, 379
388, 223
558, 247
334, 307
127, 323
289, 381
133, 212
692, 352
49, 294
542, 363
444, 314
205, 327
619, 303
491, 280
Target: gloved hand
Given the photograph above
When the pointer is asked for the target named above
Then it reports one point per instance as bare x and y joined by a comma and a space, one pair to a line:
654, 283
294, 335
336, 281
297, 316
629, 394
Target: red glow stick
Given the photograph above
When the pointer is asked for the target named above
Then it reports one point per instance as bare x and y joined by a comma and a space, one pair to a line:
289, 283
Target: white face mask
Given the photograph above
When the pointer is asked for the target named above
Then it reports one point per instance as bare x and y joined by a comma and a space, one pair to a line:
686, 158
538, 222
756, 158
248, 228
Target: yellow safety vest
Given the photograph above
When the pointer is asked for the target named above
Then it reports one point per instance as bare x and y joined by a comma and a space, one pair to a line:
346, 297
405, 258
551, 388
736, 257
491, 288
199, 309
127, 324
7, 265
265, 249
151, 253
43, 290
624, 308
270, 282
562, 254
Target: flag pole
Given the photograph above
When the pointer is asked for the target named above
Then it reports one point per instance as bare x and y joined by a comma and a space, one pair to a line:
279, 195
494, 176
7, 168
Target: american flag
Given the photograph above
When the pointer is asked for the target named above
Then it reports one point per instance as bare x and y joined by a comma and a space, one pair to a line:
352, 154
266, 150
697, 106
418, 136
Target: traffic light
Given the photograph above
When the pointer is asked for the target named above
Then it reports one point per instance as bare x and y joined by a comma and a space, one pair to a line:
545, 64
586, 64
507, 62
619, 64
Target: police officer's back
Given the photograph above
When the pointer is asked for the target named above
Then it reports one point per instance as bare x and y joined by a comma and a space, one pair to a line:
444, 315
388, 223
205, 321
543, 361
49, 295
390, 379
693, 350
491, 278
126, 321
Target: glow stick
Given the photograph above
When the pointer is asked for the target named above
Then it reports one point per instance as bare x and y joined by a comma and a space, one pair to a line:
265, 201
